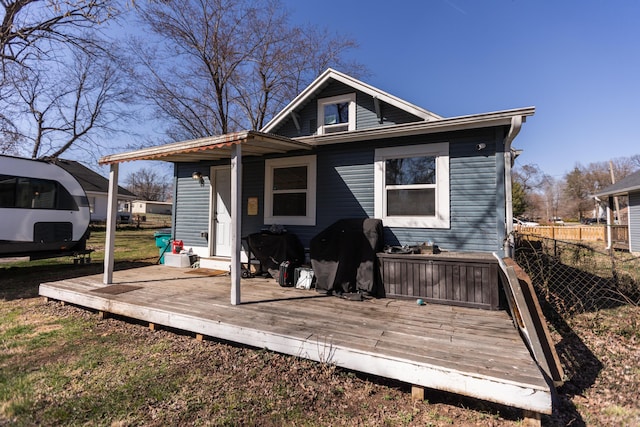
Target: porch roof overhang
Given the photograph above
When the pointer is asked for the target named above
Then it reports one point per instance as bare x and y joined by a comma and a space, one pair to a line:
253, 143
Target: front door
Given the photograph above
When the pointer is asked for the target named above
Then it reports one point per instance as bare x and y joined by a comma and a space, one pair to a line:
221, 211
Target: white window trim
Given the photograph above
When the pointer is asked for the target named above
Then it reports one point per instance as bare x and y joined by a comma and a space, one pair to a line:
442, 217
350, 98
269, 166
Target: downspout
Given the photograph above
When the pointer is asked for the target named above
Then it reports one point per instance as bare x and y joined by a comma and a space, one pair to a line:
516, 124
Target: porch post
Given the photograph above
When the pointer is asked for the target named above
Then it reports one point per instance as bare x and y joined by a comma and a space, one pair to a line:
236, 221
112, 211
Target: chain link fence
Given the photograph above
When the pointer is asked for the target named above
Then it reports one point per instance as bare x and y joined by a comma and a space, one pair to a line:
576, 277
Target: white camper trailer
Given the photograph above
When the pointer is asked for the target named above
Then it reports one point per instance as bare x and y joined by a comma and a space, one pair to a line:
44, 211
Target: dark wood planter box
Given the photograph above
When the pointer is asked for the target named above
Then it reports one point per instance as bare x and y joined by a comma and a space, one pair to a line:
465, 279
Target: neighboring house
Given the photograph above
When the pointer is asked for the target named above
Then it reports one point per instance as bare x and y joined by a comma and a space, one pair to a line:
344, 149
149, 207
97, 189
628, 186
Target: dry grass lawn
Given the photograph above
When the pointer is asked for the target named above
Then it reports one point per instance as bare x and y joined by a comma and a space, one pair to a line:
63, 365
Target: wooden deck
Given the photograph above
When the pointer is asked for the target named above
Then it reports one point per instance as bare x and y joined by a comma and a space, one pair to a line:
468, 351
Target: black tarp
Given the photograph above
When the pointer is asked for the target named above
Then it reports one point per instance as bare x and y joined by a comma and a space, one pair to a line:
272, 249
343, 257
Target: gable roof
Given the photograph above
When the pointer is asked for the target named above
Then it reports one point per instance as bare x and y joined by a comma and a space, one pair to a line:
89, 180
324, 79
627, 184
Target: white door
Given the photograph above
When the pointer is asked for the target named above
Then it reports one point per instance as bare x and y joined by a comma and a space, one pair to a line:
221, 211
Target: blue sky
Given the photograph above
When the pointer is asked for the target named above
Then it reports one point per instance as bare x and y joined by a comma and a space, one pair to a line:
576, 61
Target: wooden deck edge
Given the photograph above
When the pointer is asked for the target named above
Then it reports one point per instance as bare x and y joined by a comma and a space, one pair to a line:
322, 350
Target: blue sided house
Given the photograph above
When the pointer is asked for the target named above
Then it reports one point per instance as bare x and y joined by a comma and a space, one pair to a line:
383, 199
343, 149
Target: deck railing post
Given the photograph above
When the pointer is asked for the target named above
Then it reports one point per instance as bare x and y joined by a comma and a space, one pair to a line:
112, 212
236, 221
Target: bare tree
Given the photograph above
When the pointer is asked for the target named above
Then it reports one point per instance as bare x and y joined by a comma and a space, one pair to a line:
577, 191
286, 59
57, 84
553, 191
148, 185
530, 176
224, 65
528, 179
74, 104
31, 29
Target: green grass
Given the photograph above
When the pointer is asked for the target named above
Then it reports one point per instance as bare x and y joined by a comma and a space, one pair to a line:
132, 247
92, 378
131, 244
43, 356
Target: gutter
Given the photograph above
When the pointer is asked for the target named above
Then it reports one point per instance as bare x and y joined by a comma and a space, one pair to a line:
516, 125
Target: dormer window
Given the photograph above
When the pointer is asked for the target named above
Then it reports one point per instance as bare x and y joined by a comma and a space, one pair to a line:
337, 114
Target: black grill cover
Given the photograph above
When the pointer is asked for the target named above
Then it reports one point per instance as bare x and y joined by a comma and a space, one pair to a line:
343, 257
272, 249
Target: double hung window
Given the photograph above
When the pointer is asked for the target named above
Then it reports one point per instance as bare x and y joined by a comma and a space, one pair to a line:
337, 114
290, 187
412, 186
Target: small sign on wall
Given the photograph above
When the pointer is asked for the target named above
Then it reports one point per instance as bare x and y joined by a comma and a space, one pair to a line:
252, 206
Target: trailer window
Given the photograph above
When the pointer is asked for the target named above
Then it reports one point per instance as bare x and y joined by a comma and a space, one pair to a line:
34, 193
65, 200
7, 191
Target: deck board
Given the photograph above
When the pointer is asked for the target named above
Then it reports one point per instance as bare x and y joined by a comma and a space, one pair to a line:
469, 351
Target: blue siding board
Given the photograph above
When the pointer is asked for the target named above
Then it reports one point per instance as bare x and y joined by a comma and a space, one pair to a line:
345, 189
192, 211
252, 186
289, 129
192, 203
367, 118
